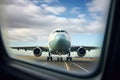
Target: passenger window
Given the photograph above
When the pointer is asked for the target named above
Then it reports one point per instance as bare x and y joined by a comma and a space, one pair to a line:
28, 24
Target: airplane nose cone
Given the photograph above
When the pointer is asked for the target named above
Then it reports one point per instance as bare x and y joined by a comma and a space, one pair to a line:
60, 42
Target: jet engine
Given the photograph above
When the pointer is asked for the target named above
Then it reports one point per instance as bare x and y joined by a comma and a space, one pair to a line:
81, 52
37, 52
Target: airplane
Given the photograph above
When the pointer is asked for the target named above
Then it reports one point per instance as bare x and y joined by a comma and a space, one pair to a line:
59, 44
108, 68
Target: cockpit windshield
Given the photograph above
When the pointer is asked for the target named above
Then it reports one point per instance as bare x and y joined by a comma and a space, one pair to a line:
62, 31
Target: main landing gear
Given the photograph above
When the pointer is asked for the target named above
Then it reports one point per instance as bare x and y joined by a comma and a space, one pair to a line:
49, 58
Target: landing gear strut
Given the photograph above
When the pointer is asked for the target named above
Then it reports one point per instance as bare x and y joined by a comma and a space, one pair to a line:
69, 58
49, 57
59, 59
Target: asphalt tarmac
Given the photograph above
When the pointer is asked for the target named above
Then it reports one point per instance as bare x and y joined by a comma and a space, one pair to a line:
76, 66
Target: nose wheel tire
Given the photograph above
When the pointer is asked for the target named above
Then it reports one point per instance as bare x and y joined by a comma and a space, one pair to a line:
59, 59
69, 59
49, 58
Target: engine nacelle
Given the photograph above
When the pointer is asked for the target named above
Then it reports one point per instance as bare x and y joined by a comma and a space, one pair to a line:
37, 52
81, 52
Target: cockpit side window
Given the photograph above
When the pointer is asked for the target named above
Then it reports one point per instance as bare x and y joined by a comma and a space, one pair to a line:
64, 32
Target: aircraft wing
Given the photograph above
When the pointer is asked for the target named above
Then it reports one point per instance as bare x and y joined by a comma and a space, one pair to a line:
31, 48
74, 48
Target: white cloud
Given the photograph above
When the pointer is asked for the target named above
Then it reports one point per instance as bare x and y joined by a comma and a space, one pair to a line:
27, 34
98, 5
98, 9
81, 15
50, 1
44, 1
53, 9
96, 26
75, 10
28, 22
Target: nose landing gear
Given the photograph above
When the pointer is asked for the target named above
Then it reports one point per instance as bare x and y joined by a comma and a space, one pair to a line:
68, 58
59, 59
49, 58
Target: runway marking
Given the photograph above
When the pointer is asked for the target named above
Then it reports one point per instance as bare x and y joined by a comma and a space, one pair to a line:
80, 67
67, 67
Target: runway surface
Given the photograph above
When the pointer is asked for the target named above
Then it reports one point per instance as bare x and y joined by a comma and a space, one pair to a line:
77, 65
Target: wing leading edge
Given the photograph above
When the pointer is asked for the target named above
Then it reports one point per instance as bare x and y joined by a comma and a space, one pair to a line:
31, 48
74, 48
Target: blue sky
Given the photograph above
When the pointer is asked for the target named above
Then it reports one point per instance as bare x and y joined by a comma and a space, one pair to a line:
32, 21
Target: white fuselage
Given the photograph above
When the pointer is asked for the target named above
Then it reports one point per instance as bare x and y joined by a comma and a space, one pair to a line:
59, 42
